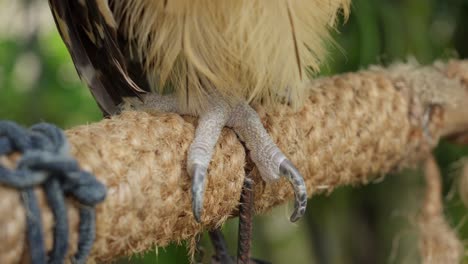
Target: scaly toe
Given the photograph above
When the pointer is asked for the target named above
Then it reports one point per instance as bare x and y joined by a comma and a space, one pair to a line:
300, 192
210, 124
268, 158
198, 190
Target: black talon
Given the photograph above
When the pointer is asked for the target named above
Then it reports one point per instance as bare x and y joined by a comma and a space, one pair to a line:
198, 190
295, 178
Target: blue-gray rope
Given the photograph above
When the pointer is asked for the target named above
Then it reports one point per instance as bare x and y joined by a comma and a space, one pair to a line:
46, 162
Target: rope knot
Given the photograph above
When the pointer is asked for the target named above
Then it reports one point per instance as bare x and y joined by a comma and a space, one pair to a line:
46, 162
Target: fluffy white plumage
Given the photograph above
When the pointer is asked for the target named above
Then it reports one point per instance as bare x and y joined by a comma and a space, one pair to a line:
255, 50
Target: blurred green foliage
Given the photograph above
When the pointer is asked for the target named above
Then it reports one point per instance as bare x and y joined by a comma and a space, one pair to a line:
371, 224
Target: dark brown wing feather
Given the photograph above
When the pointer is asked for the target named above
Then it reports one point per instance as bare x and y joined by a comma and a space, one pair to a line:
93, 44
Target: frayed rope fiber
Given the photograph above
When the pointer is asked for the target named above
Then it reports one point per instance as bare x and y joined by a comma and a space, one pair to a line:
45, 161
438, 243
352, 129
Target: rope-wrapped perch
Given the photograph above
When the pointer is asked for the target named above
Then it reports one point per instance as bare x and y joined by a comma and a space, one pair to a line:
352, 129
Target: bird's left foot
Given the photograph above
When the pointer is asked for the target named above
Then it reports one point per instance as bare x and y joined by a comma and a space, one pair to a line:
245, 122
268, 158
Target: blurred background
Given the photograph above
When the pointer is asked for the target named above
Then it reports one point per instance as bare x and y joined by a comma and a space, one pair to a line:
370, 224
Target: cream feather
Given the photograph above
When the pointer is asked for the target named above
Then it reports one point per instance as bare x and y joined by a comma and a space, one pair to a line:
257, 50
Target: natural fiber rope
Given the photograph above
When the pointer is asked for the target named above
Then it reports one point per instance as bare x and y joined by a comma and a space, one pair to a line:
46, 163
438, 242
353, 128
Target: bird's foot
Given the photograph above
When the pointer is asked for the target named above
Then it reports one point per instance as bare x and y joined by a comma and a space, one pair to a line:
270, 161
243, 119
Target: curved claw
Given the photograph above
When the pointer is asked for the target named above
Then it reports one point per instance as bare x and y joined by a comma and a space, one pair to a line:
198, 190
300, 192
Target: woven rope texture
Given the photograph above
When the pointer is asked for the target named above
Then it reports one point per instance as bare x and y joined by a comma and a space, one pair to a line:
353, 129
